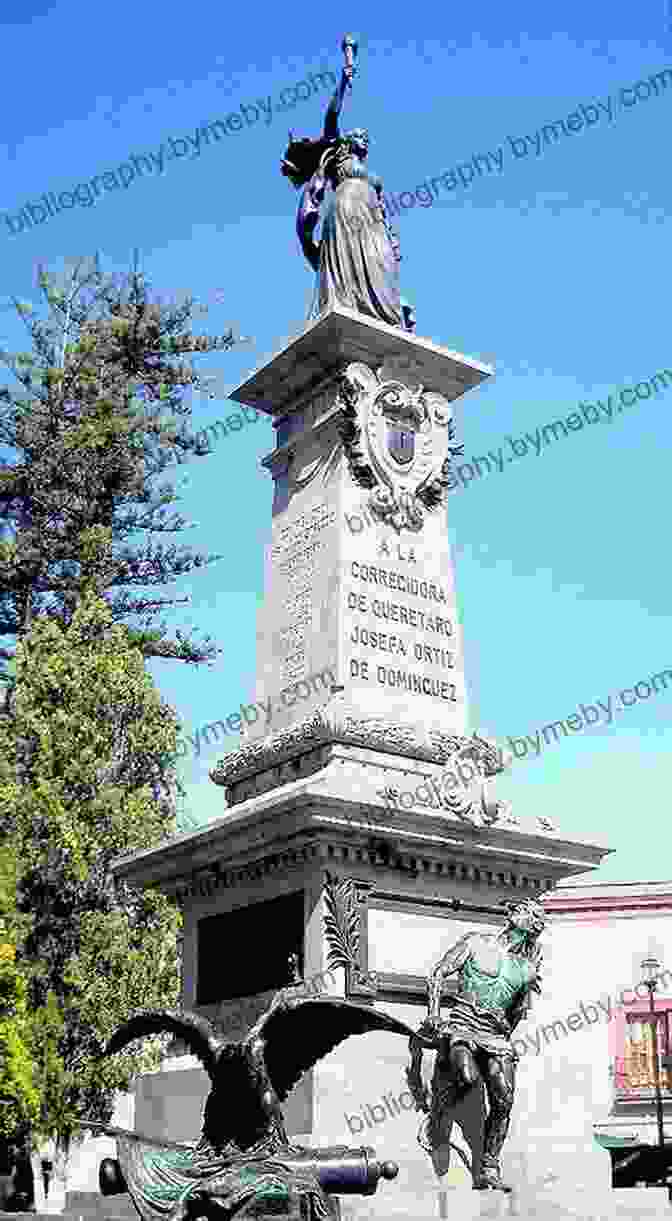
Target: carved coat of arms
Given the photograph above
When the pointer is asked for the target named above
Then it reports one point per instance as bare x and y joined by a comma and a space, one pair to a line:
397, 443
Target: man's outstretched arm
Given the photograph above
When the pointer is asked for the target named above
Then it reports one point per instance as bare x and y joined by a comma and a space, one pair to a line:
452, 961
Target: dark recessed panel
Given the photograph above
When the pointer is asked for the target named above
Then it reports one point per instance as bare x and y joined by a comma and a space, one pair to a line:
243, 952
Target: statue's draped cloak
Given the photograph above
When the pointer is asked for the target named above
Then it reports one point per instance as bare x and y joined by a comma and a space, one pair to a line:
358, 263
163, 1181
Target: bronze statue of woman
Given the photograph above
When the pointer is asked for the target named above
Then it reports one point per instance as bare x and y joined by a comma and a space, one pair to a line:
357, 257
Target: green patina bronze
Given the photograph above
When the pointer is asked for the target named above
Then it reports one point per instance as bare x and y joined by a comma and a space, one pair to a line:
244, 1157
495, 993
202, 1181
496, 975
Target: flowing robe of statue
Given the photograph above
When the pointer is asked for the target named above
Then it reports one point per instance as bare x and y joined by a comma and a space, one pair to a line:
357, 258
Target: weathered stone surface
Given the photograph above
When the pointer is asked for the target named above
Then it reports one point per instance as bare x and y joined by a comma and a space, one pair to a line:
322, 609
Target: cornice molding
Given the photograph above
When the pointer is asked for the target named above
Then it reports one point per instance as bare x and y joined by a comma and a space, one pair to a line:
593, 907
301, 823
407, 863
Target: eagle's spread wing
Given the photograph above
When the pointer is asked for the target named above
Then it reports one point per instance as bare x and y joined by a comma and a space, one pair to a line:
197, 1032
301, 1031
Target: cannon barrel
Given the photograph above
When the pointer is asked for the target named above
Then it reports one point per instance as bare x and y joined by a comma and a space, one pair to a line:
340, 1171
110, 1178
344, 1172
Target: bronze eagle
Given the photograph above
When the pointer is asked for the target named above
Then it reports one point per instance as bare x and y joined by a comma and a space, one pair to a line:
243, 1147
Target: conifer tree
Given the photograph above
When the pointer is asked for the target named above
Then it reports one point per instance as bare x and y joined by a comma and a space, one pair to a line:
101, 397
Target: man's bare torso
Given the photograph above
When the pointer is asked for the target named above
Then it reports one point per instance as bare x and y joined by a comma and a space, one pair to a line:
493, 982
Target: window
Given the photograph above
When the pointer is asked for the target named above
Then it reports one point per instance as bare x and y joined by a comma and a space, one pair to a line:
634, 1071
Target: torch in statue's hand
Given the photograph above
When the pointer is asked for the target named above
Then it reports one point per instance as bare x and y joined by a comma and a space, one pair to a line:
349, 48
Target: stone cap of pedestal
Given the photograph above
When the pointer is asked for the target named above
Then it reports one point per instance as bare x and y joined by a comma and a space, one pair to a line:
340, 721
342, 335
304, 825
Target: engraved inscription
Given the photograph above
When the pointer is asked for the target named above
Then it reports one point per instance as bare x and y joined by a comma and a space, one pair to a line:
377, 604
436, 657
378, 640
388, 643
415, 684
398, 613
294, 553
398, 581
418, 684
298, 608
294, 539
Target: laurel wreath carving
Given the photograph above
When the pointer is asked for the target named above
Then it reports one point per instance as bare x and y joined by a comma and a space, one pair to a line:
434, 491
341, 922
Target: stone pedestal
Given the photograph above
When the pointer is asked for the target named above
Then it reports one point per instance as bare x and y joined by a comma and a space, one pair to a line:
359, 580
358, 830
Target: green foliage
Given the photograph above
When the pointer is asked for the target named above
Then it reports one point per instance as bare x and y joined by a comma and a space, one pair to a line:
47, 1027
99, 728
88, 750
98, 752
17, 1075
17, 1082
102, 396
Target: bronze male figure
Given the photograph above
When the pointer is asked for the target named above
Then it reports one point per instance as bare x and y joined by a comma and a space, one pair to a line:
496, 976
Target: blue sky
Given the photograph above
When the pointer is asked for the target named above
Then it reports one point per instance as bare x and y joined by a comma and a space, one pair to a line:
555, 268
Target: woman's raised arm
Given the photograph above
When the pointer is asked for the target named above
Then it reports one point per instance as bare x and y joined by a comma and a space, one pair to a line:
331, 129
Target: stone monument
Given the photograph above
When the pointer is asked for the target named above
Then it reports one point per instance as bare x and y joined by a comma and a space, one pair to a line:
359, 829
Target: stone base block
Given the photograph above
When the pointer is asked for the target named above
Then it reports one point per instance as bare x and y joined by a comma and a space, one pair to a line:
631, 1204
34, 1216
92, 1206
